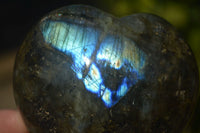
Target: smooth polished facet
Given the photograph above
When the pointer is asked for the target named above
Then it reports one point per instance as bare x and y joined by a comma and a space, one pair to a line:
81, 70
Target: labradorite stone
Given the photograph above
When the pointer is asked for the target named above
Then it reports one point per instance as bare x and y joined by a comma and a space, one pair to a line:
81, 70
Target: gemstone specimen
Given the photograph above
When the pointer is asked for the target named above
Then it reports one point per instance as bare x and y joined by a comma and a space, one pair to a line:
83, 70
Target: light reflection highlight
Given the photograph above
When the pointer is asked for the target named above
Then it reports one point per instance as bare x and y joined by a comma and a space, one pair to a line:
93, 80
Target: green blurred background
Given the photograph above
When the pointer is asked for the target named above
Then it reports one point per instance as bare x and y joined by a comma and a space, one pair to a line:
18, 16
184, 15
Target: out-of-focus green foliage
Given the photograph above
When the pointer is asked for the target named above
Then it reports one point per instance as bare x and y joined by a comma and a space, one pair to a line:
184, 15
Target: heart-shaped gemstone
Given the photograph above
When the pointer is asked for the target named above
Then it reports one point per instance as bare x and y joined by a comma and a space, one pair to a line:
83, 70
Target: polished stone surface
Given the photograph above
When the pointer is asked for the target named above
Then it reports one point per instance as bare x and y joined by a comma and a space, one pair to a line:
83, 70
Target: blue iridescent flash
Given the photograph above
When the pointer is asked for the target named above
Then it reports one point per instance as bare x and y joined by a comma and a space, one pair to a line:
117, 53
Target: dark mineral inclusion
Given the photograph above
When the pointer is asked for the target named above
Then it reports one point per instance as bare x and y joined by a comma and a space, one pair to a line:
81, 70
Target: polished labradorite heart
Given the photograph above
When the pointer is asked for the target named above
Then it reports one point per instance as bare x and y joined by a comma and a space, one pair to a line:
81, 70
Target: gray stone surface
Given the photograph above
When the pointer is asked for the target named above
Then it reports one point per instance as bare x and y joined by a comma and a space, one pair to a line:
144, 82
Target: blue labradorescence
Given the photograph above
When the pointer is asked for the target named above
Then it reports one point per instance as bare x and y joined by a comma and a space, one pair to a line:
81, 70
92, 56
